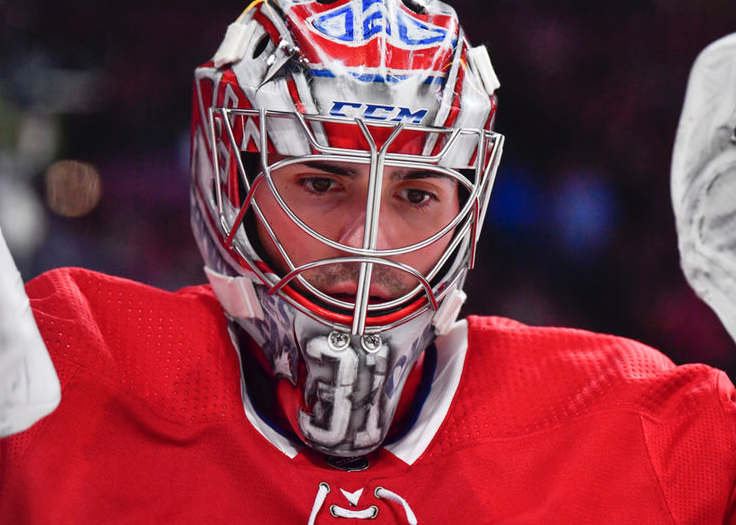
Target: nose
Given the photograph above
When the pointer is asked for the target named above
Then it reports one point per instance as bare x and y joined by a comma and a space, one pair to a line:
353, 231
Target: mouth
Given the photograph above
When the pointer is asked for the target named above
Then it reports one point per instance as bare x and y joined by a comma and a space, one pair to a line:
348, 290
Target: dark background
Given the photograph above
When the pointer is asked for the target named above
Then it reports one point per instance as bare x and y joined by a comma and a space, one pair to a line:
580, 230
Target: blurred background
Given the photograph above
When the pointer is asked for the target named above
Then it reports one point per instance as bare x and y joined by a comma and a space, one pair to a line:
95, 100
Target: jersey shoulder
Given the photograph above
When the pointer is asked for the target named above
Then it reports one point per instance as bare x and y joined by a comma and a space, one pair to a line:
558, 374
162, 347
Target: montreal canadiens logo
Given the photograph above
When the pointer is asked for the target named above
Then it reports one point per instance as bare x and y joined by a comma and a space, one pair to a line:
360, 21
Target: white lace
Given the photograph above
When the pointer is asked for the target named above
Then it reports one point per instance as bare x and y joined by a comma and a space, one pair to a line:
365, 514
324, 489
382, 493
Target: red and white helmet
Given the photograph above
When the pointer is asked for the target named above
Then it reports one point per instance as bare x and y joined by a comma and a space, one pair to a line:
386, 84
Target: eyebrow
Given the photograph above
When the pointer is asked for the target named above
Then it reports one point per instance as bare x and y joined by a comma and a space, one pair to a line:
421, 174
331, 167
347, 171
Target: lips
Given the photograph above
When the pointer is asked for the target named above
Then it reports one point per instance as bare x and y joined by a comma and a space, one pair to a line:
347, 292
350, 298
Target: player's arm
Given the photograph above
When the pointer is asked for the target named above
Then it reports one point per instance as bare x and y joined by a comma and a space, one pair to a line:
29, 388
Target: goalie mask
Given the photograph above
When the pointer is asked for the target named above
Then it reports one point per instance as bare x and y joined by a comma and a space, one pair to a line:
342, 161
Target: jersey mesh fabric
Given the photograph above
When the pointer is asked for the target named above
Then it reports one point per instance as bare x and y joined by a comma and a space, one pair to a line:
539, 378
707, 461
77, 310
547, 426
602, 393
162, 370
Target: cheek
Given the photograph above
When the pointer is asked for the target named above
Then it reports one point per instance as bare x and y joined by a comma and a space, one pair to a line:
419, 229
299, 245
277, 220
424, 260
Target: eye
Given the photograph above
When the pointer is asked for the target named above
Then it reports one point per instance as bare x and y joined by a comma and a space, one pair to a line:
318, 184
321, 185
416, 197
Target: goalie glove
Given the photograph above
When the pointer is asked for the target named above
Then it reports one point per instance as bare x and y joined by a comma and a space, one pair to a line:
29, 388
703, 181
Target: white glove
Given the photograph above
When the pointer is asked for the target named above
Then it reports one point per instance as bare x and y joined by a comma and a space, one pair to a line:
29, 388
704, 179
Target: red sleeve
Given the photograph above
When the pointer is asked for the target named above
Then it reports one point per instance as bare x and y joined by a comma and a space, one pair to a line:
692, 447
727, 394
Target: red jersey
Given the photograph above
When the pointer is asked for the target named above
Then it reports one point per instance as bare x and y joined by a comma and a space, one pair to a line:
517, 425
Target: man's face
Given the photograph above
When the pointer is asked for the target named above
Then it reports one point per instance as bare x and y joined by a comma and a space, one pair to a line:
330, 197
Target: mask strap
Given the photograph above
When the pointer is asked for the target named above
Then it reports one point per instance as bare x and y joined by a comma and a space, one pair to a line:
237, 295
448, 311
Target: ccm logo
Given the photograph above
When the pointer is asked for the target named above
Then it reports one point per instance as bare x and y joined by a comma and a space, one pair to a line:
377, 112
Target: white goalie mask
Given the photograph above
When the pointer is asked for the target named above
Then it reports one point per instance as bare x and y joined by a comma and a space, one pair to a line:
342, 162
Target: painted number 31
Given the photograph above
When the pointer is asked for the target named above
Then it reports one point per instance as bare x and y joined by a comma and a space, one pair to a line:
348, 396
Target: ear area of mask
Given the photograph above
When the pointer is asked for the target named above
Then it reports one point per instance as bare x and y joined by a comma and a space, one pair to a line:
236, 294
446, 315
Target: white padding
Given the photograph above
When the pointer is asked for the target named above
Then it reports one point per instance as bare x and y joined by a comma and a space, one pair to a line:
448, 311
703, 180
481, 64
237, 295
29, 388
233, 46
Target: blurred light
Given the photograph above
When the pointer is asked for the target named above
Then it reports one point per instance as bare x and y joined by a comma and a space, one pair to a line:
73, 189
585, 207
517, 202
21, 218
38, 137
48, 89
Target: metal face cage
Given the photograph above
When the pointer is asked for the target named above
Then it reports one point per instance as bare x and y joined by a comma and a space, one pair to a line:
469, 157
